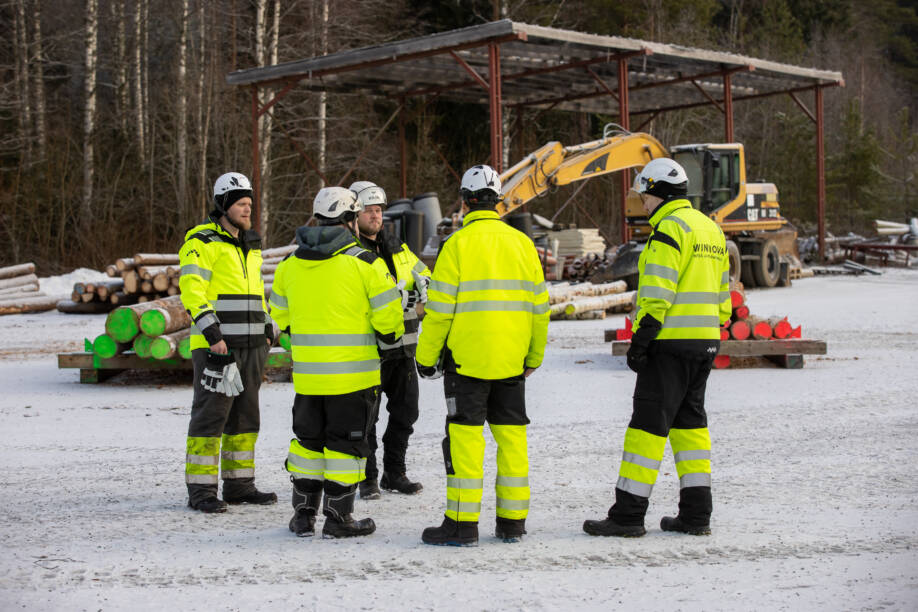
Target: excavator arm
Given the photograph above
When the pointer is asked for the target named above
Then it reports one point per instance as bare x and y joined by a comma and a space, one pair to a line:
555, 165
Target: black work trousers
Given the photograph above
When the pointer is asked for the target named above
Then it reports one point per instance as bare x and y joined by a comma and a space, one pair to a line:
337, 422
215, 415
400, 384
669, 394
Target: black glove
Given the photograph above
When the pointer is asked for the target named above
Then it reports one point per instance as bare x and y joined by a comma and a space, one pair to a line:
428, 372
637, 353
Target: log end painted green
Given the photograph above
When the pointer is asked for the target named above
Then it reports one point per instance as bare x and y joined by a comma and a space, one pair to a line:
153, 323
142, 345
160, 349
184, 347
121, 324
105, 346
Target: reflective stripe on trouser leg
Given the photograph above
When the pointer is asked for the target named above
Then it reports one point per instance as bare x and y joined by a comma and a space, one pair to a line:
237, 456
512, 483
304, 463
201, 459
692, 452
641, 459
344, 469
463, 486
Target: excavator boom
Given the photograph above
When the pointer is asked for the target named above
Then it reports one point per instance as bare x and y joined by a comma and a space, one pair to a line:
554, 165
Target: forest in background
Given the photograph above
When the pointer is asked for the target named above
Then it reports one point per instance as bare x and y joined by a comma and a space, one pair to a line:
115, 115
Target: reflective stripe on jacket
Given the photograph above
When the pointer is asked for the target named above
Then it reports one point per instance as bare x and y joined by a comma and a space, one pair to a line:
487, 301
222, 287
335, 303
684, 278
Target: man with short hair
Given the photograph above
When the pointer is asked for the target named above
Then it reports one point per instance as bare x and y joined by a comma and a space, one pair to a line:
683, 298
485, 329
222, 289
398, 374
338, 301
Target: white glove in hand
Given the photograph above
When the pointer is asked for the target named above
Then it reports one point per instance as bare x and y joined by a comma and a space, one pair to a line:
421, 283
401, 289
232, 380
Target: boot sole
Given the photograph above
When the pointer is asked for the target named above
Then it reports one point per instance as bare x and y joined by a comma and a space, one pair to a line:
403, 492
242, 502
634, 534
456, 544
328, 536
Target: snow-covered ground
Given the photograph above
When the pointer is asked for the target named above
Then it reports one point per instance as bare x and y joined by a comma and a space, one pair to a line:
816, 498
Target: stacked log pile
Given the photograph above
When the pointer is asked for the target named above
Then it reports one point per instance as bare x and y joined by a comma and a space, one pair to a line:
20, 291
158, 329
146, 277
588, 301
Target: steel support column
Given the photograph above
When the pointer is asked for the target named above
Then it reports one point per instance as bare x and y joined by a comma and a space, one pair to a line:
820, 174
402, 154
623, 115
728, 108
256, 170
494, 102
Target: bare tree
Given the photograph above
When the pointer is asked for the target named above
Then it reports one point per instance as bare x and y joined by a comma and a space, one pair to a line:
22, 69
121, 66
323, 97
202, 116
182, 110
41, 130
139, 94
89, 110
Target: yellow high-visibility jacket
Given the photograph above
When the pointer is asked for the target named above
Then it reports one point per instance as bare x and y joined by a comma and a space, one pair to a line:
222, 288
335, 298
684, 279
487, 301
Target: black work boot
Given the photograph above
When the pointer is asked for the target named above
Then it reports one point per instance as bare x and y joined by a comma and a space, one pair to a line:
337, 508
252, 497
608, 527
452, 533
209, 505
675, 523
307, 495
369, 489
400, 483
510, 530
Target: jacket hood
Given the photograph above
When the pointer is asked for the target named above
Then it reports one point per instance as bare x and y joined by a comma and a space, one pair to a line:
248, 239
321, 242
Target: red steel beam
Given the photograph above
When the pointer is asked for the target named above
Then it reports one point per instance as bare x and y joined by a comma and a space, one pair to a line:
728, 109
766, 94
470, 70
256, 163
494, 103
708, 96
820, 174
624, 116
802, 106
602, 83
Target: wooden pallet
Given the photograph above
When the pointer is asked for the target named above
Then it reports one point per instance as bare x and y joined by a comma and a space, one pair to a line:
94, 369
783, 353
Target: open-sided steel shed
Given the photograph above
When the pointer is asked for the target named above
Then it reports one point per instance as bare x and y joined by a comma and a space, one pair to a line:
510, 64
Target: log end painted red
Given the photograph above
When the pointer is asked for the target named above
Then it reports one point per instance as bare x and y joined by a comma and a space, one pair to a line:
761, 330
736, 299
741, 312
740, 330
724, 334
721, 362
782, 330
796, 333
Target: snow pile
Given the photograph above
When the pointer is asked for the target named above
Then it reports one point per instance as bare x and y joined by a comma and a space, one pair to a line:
63, 285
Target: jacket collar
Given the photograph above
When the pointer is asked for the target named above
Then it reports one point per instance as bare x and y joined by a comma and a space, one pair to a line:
475, 215
666, 208
322, 242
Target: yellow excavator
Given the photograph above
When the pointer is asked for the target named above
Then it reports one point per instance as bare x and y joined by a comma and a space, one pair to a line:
760, 241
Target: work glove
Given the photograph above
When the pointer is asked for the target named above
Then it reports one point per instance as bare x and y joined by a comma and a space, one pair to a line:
640, 343
413, 298
421, 283
232, 380
429, 372
404, 293
212, 378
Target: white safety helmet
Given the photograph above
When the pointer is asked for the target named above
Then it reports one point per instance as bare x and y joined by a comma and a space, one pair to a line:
334, 203
229, 188
480, 185
661, 177
369, 194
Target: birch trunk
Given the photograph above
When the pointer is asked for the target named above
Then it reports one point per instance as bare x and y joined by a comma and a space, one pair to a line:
41, 130
22, 68
121, 86
138, 81
323, 97
89, 111
203, 111
181, 110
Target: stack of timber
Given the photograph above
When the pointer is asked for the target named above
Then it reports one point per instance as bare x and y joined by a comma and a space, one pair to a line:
19, 291
578, 242
588, 301
746, 340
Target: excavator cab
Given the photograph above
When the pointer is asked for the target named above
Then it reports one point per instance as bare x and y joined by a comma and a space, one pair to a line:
715, 174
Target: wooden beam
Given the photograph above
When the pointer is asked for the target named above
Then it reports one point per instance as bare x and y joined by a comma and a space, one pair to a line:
745, 348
